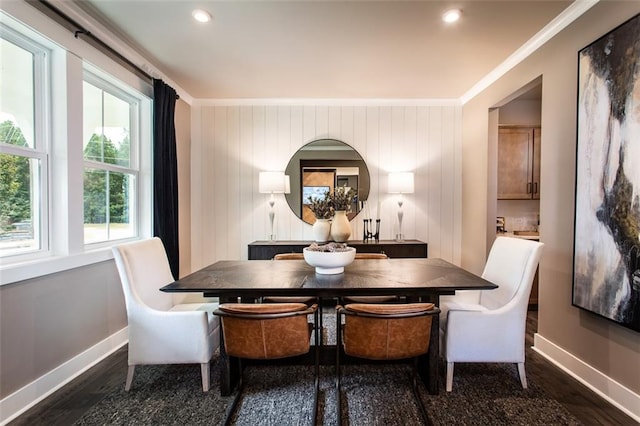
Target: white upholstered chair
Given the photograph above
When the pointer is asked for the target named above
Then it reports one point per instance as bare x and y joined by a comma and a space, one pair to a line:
489, 325
161, 332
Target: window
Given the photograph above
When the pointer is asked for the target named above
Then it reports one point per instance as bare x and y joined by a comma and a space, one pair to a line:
110, 141
23, 145
75, 153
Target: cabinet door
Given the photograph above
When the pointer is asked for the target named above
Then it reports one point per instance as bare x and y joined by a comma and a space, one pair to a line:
537, 139
515, 147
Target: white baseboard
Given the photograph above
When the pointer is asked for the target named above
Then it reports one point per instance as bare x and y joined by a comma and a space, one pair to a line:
617, 394
28, 396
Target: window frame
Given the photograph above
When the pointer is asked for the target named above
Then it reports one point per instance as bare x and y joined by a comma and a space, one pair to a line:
67, 61
41, 149
96, 78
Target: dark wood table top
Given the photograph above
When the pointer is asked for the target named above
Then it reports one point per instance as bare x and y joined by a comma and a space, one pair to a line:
256, 278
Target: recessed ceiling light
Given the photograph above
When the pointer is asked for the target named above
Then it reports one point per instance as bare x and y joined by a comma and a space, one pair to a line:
451, 15
201, 15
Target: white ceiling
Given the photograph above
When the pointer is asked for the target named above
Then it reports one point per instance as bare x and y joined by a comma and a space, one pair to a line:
325, 49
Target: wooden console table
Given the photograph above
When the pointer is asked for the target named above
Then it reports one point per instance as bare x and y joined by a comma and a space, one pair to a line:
265, 250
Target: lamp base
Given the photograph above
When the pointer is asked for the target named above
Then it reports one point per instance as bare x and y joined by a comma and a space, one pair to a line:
399, 238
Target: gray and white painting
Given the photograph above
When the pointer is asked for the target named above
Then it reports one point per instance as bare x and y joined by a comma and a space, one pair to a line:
607, 237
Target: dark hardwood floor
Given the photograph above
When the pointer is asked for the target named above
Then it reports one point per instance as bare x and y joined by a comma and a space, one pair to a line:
68, 404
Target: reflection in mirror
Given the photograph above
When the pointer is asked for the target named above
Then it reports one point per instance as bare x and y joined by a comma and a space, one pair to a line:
320, 166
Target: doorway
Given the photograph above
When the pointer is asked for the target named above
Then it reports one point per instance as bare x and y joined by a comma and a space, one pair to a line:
515, 141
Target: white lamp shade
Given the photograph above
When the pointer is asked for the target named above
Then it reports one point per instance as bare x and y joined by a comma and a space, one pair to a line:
401, 183
273, 183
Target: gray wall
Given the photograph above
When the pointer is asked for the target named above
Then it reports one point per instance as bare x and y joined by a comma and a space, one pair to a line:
46, 321
603, 345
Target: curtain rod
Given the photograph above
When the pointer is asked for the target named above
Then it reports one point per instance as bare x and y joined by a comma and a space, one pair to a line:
79, 30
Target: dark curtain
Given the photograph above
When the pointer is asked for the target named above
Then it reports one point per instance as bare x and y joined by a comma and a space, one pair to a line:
165, 172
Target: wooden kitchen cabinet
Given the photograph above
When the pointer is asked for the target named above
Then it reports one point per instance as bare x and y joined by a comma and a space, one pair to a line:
519, 163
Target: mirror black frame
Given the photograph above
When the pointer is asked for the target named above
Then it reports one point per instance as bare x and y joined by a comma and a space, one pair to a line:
335, 153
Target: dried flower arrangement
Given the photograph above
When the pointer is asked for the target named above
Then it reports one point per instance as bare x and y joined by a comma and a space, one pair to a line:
321, 207
342, 199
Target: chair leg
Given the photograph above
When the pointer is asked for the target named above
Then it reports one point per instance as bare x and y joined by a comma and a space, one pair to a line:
449, 376
316, 391
320, 329
338, 390
130, 372
416, 394
204, 371
236, 398
522, 374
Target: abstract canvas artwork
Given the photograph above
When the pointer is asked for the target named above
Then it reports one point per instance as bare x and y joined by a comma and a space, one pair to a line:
606, 277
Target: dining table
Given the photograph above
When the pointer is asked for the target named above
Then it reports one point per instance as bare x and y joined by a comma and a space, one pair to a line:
416, 279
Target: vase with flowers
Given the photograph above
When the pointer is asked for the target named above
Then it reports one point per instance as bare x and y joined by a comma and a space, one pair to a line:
321, 208
341, 201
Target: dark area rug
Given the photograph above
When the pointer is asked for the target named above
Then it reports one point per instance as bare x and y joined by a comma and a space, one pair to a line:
483, 394
373, 394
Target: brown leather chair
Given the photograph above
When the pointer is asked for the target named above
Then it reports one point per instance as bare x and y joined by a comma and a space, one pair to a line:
384, 332
311, 300
288, 256
268, 331
308, 300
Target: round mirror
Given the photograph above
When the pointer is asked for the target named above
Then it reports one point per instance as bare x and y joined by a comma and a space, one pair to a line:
321, 166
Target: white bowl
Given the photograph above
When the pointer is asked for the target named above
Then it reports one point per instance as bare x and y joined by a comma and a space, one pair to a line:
329, 262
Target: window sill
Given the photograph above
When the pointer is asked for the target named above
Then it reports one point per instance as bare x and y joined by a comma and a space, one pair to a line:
13, 273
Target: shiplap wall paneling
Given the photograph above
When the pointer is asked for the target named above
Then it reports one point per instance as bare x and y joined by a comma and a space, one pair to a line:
421, 183
434, 189
297, 227
196, 187
447, 186
245, 177
371, 154
232, 144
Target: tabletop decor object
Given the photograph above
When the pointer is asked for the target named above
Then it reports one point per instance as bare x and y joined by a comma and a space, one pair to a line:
321, 208
606, 277
341, 201
368, 233
329, 258
368, 230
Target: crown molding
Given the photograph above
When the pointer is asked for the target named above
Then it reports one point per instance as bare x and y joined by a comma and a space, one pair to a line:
560, 22
326, 102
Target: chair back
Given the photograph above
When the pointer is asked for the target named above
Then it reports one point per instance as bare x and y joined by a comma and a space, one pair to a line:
371, 256
265, 330
512, 265
387, 332
288, 256
144, 268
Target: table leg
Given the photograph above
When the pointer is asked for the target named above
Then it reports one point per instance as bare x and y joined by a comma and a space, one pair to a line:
428, 363
434, 356
229, 371
229, 366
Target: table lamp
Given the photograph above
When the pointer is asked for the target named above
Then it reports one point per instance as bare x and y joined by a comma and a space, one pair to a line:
400, 183
273, 183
